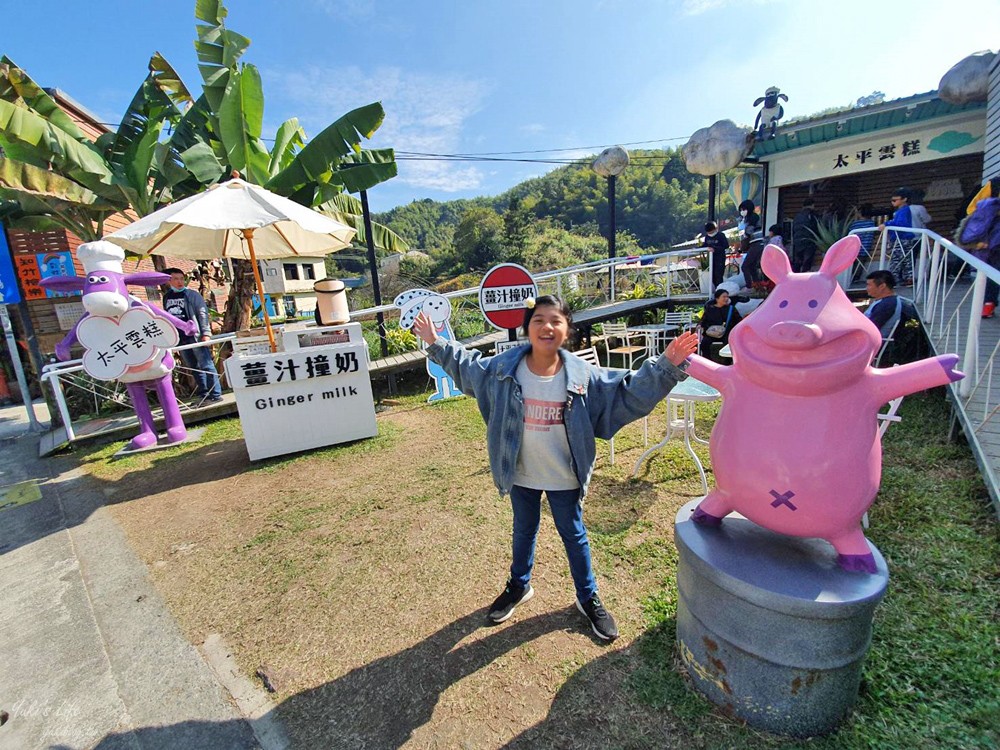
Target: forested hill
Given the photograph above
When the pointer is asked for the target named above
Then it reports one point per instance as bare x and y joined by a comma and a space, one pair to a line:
560, 217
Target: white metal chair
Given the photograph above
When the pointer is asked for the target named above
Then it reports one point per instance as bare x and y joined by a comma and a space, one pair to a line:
618, 332
589, 355
674, 323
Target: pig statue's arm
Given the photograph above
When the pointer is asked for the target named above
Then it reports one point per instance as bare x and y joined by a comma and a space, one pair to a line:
893, 382
63, 347
187, 327
707, 371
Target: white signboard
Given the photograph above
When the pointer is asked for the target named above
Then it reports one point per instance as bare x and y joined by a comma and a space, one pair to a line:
305, 398
68, 313
881, 149
115, 345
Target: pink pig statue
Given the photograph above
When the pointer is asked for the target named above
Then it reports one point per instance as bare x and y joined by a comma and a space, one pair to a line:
796, 447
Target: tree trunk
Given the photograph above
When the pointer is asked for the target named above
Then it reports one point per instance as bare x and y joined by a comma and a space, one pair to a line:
241, 291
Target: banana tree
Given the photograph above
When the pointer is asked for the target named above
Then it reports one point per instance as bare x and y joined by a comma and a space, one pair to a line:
222, 133
62, 179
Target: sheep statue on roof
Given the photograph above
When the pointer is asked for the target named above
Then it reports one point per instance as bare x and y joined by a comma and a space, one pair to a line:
124, 338
770, 113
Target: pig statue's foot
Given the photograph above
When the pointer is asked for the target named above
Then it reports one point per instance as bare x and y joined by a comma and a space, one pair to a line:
857, 563
176, 434
705, 518
142, 440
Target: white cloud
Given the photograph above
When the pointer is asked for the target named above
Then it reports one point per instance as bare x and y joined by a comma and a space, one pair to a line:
424, 113
532, 128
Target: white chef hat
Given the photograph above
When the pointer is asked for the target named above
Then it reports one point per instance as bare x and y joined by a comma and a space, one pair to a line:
101, 255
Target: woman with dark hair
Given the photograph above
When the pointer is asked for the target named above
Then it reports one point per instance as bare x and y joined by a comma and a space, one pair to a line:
718, 318
543, 408
749, 224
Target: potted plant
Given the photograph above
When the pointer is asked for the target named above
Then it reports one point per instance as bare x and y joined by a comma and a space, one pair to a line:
829, 230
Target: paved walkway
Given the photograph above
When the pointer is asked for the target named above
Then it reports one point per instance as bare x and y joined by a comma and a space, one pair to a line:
90, 655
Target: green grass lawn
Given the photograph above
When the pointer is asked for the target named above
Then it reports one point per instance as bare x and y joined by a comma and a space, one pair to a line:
931, 679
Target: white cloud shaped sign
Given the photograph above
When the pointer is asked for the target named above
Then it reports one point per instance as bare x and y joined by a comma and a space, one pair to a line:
115, 345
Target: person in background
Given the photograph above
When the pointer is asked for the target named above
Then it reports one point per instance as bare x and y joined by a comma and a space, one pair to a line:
804, 228
774, 237
900, 258
749, 224
887, 308
543, 408
715, 240
864, 221
918, 213
187, 304
718, 318
751, 261
981, 236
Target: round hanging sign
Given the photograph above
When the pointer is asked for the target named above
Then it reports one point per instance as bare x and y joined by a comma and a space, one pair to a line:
502, 293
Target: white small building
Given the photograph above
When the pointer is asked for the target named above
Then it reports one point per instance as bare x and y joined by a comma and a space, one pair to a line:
289, 282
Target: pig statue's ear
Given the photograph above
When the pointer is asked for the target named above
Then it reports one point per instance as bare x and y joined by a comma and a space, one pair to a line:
774, 263
841, 255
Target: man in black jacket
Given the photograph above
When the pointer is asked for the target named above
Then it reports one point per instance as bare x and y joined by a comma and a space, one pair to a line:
719, 245
805, 223
187, 304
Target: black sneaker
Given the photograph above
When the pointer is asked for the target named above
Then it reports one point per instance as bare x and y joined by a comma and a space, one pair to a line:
600, 619
507, 602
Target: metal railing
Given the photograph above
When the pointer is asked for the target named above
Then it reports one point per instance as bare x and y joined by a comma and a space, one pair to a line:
673, 272
950, 308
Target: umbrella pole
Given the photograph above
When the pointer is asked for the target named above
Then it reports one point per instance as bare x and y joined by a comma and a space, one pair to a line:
248, 233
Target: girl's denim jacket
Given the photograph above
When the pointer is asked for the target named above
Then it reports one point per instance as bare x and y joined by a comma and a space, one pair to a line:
599, 402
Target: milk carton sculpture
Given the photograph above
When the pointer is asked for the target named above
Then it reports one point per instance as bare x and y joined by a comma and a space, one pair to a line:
125, 338
796, 448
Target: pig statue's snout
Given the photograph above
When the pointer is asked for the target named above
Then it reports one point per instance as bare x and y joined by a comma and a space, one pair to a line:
790, 334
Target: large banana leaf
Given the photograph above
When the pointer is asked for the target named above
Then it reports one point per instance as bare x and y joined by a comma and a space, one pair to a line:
327, 150
347, 208
290, 136
17, 87
241, 117
366, 169
29, 180
132, 150
80, 161
218, 48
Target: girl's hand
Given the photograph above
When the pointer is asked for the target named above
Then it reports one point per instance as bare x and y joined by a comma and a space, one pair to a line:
681, 347
423, 328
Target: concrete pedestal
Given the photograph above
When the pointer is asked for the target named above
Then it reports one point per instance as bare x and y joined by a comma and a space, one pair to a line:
770, 628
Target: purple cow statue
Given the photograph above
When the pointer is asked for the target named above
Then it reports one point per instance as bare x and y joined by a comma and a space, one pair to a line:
126, 339
796, 447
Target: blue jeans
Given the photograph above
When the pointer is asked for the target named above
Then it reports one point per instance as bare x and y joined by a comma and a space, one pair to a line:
199, 360
567, 512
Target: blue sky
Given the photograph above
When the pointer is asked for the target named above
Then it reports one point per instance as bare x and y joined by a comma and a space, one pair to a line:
483, 76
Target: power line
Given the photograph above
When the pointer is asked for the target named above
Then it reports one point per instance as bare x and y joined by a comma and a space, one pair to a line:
510, 153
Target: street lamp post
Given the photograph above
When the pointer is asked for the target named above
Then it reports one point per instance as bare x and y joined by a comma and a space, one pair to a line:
610, 163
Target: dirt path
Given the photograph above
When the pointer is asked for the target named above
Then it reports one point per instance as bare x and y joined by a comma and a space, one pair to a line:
356, 580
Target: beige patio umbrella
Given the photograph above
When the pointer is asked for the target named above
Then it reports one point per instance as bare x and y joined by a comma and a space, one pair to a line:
235, 219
